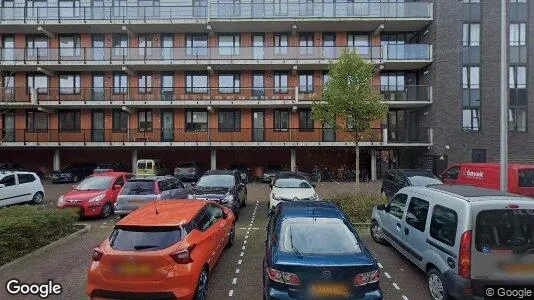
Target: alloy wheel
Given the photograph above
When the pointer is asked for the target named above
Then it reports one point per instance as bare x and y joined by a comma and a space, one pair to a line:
376, 232
202, 289
106, 211
436, 287
37, 198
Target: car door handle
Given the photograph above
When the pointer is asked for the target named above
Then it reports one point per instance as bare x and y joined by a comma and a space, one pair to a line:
406, 231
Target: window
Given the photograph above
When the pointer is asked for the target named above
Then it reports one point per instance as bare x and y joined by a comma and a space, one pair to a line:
196, 83
8, 82
306, 83
38, 82
508, 230
69, 8
120, 83
518, 34
69, 120
471, 119
360, 43
120, 45
517, 119
306, 44
36, 121
145, 84
120, 121
25, 178
326, 77
443, 225
280, 83
470, 77
137, 238
280, 44
397, 205
471, 98
281, 120
305, 120
145, 120
258, 86
69, 46
69, 83
517, 113
203, 220
518, 77
9, 180
417, 213
145, 45
471, 34
229, 120
197, 45
471, 1
196, 121
526, 178
452, 173
37, 46
229, 44
229, 83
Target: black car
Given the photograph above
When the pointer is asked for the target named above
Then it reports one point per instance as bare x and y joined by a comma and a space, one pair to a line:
271, 170
396, 179
73, 173
114, 167
189, 171
224, 187
244, 172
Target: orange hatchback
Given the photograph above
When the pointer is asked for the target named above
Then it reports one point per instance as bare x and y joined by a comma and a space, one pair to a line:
163, 250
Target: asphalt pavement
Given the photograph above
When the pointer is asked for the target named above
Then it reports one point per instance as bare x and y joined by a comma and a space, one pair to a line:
238, 274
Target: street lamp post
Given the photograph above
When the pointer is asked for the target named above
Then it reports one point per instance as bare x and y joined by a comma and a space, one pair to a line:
504, 100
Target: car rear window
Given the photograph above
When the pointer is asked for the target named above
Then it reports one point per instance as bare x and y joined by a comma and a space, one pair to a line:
526, 178
144, 238
138, 187
314, 236
144, 165
505, 229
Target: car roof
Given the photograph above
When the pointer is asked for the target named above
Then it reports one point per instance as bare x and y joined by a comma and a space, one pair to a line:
494, 165
310, 209
110, 174
169, 213
150, 177
9, 172
469, 193
220, 172
413, 172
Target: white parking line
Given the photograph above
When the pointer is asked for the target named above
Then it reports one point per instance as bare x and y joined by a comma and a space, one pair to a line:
245, 241
404, 297
242, 253
231, 293
234, 281
387, 275
237, 271
239, 262
380, 266
396, 286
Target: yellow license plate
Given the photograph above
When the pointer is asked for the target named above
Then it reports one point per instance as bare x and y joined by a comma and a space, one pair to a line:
330, 290
515, 268
134, 269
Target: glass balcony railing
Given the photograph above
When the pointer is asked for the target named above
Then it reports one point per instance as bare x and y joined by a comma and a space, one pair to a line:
406, 93
282, 9
407, 52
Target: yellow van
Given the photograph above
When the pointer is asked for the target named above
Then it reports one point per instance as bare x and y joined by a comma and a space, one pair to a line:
151, 167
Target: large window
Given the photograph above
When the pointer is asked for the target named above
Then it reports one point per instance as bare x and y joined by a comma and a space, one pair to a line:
471, 34
229, 120
36, 121
69, 8
417, 213
145, 120
196, 83
38, 82
197, 45
306, 43
120, 83
280, 43
306, 83
280, 83
397, 205
444, 224
229, 44
69, 83
229, 83
517, 113
360, 43
120, 45
305, 120
120, 121
69, 46
69, 120
37, 46
145, 83
471, 98
196, 121
518, 34
145, 45
281, 120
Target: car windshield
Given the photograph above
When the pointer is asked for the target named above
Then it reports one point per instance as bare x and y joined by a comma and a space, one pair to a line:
95, 183
423, 180
526, 178
505, 229
138, 187
314, 236
274, 167
221, 180
144, 238
186, 165
292, 183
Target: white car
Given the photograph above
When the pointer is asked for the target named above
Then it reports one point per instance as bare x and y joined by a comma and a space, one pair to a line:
291, 189
20, 187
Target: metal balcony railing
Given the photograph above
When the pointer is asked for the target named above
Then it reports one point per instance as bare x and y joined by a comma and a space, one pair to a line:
409, 135
215, 10
407, 52
411, 93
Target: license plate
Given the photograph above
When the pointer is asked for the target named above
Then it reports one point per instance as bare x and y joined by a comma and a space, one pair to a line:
515, 268
75, 210
134, 269
330, 290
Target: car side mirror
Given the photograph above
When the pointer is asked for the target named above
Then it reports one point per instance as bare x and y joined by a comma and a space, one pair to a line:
387, 208
381, 207
117, 187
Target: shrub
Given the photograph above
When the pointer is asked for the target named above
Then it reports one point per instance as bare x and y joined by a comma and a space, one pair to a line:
25, 228
358, 207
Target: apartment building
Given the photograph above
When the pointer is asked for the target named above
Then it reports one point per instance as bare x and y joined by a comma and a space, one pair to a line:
232, 81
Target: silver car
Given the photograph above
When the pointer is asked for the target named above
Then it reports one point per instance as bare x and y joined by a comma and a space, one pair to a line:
143, 189
467, 239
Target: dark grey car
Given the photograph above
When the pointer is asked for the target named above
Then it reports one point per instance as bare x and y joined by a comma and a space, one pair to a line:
396, 179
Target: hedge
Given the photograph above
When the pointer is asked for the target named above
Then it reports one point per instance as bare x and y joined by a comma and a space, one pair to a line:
358, 207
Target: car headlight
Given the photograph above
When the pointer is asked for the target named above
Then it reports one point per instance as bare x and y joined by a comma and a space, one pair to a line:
275, 197
228, 199
60, 200
97, 198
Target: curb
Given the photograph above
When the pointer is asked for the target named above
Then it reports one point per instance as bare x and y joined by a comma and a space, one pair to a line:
53, 244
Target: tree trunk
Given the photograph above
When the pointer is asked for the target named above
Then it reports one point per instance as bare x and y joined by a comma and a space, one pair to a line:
357, 148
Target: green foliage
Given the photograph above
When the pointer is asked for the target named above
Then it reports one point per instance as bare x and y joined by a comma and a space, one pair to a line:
25, 228
358, 207
350, 95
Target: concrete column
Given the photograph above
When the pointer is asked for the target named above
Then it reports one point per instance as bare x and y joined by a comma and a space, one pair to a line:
134, 161
213, 159
56, 163
293, 160
373, 165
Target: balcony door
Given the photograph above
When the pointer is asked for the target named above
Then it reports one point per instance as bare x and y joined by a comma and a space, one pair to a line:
329, 45
8, 50
167, 46
258, 42
167, 126
9, 127
329, 133
98, 48
258, 126
97, 125
258, 86
98, 93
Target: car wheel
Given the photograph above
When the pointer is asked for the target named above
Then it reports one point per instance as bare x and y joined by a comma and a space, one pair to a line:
436, 286
376, 233
236, 211
231, 237
37, 198
75, 178
202, 286
244, 204
107, 210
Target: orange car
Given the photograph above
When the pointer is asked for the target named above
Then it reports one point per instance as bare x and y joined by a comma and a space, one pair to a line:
163, 250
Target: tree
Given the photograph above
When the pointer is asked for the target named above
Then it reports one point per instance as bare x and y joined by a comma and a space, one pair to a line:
350, 101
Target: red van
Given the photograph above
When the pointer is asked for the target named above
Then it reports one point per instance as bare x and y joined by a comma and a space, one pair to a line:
520, 177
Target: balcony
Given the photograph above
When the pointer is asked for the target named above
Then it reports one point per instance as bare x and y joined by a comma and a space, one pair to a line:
158, 137
227, 17
392, 57
406, 95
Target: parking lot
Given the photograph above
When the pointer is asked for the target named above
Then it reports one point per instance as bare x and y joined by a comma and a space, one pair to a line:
238, 274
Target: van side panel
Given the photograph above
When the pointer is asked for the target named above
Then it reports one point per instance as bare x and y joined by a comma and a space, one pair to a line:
479, 175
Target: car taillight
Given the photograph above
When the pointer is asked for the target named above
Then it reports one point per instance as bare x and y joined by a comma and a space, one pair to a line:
97, 254
283, 277
464, 260
183, 256
368, 277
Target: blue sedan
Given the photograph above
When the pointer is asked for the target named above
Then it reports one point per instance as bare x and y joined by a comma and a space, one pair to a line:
313, 252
